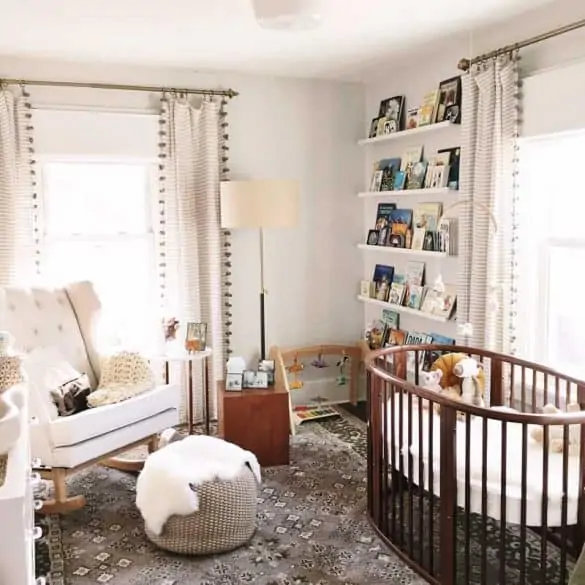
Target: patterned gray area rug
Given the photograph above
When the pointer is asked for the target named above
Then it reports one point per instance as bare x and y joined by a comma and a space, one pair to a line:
312, 527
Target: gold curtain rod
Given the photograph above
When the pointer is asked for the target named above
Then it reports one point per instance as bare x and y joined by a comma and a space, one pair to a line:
464, 64
230, 93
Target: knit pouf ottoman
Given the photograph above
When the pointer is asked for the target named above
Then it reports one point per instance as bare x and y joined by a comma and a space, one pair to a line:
226, 518
215, 514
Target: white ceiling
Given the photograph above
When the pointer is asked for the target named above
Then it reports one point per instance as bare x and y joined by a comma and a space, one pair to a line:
223, 35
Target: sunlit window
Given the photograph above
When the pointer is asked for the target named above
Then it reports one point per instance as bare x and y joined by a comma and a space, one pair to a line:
552, 252
97, 225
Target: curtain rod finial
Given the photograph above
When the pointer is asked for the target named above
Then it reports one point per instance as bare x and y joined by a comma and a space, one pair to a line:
464, 64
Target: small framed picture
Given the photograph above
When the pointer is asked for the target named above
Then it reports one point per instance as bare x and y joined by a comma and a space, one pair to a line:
268, 367
449, 103
376, 182
254, 379
365, 288
196, 337
373, 237
233, 382
392, 110
374, 128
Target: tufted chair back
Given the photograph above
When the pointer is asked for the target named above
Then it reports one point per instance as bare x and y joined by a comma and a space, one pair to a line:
63, 318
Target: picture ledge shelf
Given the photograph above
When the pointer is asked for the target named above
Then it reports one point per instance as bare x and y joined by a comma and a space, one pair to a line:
401, 309
408, 192
392, 250
406, 133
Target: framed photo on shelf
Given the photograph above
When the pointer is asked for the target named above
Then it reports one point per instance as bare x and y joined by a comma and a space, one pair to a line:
268, 367
374, 128
449, 107
253, 379
233, 382
196, 337
373, 236
392, 110
376, 182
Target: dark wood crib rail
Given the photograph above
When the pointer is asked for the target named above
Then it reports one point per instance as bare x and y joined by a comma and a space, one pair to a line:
435, 516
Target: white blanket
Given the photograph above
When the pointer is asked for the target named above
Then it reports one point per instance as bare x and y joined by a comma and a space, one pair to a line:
166, 485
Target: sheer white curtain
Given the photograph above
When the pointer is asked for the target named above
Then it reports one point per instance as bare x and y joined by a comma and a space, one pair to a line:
17, 206
190, 236
486, 297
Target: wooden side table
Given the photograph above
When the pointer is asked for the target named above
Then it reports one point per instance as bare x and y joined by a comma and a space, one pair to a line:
188, 359
256, 420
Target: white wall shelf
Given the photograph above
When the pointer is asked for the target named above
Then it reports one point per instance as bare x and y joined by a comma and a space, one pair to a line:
408, 251
401, 309
407, 133
407, 193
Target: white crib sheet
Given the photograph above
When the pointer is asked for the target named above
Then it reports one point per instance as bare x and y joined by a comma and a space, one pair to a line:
494, 466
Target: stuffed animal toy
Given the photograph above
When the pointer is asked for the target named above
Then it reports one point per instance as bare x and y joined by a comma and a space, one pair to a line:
555, 433
468, 371
430, 380
446, 363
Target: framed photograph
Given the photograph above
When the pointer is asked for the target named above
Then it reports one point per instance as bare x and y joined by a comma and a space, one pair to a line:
365, 288
254, 379
196, 337
376, 183
374, 128
381, 123
392, 110
449, 103
383, 236
373, 237
233, 382
268, 367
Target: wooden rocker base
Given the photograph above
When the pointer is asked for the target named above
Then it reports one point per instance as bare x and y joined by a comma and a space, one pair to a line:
62, 503
62, 507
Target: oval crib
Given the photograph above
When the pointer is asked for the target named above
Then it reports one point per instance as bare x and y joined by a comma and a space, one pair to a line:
465, 494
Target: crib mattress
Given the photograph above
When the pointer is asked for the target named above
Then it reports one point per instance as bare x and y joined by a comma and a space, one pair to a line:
513, 489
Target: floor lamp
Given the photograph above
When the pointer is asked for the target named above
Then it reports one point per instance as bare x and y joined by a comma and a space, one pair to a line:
260, 204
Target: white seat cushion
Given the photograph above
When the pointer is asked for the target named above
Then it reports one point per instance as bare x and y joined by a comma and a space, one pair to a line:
95, 422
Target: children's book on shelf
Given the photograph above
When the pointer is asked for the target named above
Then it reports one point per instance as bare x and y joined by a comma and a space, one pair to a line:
415, 295
411, 118
377, 334
366, 288
399, 180
430, 301
453, 155
376, 180
432, 355
416, 338
428, 109
308, 413
384, 214
396, 293
412, 154
418, 238
415, 272
416, 175
391, 318
382, 279
446, 302
383, 236
447, 236
397, 337
399, 278
427, 215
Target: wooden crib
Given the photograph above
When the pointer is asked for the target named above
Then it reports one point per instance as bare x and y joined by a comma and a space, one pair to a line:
465, 494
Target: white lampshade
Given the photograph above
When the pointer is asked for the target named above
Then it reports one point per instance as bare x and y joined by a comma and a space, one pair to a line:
259, 204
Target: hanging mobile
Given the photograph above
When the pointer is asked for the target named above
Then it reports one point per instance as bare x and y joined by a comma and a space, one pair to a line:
319, 362
342, 378
294, 369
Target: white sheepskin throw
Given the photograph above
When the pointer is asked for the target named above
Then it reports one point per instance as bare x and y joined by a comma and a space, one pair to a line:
123, 375
165, 485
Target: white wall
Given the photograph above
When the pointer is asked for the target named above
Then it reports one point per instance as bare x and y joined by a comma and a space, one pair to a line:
279, 128
419, 71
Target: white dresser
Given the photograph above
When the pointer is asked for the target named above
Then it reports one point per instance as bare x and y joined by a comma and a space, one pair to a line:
17, 530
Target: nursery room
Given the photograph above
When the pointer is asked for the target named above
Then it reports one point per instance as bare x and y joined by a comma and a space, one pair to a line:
281, 292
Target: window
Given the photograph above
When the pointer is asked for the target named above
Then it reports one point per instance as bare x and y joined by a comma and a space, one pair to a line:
551, 257
97, 226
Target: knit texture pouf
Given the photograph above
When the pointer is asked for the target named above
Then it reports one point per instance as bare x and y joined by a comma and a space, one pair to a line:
226, 518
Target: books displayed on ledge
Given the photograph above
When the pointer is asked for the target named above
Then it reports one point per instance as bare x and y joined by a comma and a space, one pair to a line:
422, 228
408, 290
308, 413
385, 333
439, 105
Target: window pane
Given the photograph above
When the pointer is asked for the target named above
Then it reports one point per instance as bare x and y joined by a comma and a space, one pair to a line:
122, 271
95, 198
566, 315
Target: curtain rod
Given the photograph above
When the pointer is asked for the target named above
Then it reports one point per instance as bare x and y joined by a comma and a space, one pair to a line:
230, 93
464, 64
